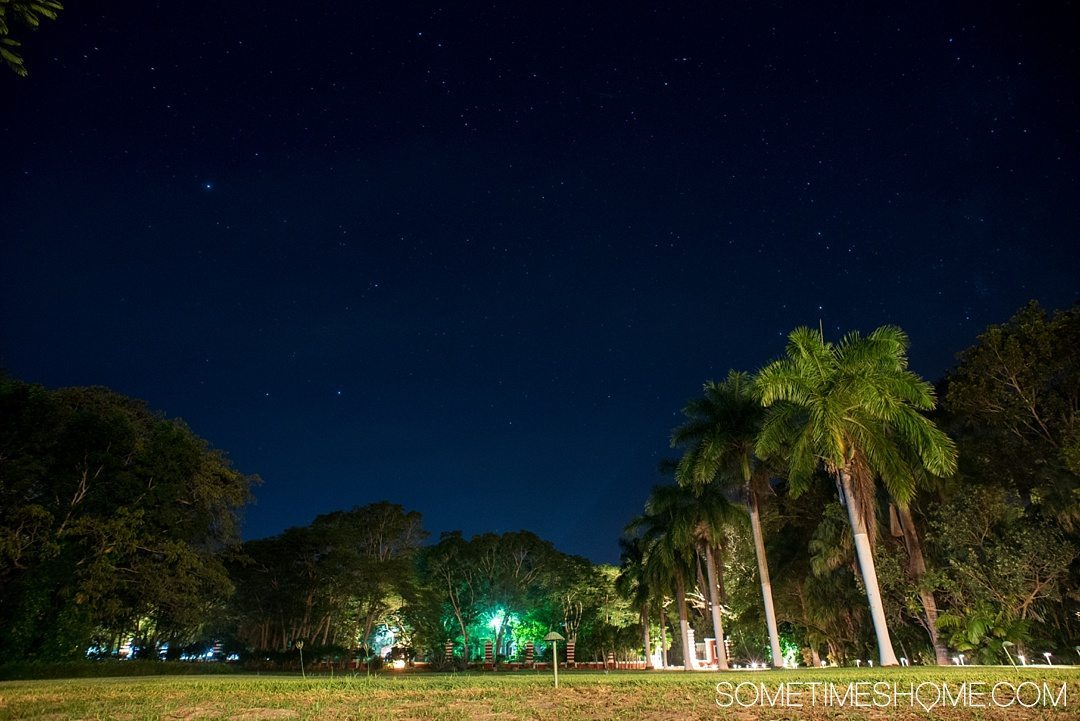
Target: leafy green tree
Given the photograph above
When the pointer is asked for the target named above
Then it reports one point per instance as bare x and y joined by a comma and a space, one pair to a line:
109, 515
719, 436
515, 570
853, 408
331, 583
1004, 569
1014, 402
449, 572
29, 13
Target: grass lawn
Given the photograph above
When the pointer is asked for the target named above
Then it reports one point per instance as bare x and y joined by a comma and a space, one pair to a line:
530, 695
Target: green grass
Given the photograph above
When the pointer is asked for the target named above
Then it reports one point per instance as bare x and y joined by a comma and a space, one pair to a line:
520, 695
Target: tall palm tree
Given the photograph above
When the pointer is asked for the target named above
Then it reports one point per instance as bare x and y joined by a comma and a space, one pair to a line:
653, 575
853, 407
719, 436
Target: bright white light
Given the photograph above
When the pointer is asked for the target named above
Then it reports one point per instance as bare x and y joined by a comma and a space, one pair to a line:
1047, 654
399, 663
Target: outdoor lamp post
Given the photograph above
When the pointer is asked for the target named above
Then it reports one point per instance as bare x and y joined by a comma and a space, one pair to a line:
1005, 647
555, 637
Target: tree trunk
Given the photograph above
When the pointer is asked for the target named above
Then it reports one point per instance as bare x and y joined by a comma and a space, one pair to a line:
460, 619
663, 636
714, 604
865, 556
916, 571
684, 622
648, 640
326, 630
766, 583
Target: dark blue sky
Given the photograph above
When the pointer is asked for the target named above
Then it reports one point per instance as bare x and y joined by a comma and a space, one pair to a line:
474, 261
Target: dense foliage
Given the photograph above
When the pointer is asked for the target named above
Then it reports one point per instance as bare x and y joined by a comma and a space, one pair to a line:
972, 559
114, 523
118, 525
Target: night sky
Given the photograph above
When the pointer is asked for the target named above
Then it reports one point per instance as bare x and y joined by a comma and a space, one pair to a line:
475, 259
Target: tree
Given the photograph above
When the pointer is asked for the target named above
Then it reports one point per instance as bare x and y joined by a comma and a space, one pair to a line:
450, 573
26, 12
667, 563
514, 573
854, 408
1004, 568
330, 583
113, 520
633, 583
719, 436
1014, 401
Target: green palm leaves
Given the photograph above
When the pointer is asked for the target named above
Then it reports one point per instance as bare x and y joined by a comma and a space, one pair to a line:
851, 405
719, 433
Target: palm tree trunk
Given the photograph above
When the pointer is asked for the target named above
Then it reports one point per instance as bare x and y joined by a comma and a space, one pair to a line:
663, 636
865, 556
714, 604
766, 583
684, 622
917, 570
648, 640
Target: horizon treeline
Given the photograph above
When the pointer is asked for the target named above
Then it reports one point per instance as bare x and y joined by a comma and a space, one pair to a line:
119, 528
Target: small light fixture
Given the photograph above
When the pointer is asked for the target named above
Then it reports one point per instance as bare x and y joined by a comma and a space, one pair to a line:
554, 637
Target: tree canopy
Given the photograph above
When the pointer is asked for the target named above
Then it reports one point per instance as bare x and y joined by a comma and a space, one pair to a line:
112, 519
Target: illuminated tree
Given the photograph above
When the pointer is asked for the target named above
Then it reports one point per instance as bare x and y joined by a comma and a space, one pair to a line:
109, 514
854, 408
514, 569
676, 526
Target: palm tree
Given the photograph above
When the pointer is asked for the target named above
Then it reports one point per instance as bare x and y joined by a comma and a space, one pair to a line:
719, 436
853, 407
633, 584
666, 562
677, 525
